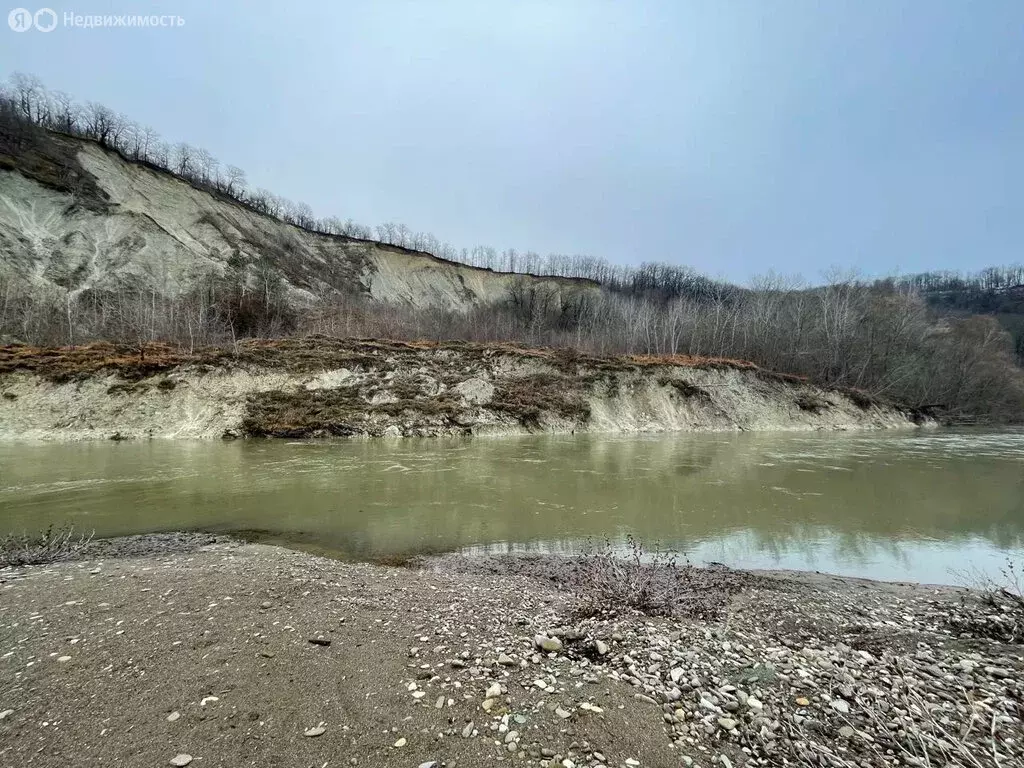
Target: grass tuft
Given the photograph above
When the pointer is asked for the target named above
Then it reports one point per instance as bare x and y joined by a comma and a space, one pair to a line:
54, 545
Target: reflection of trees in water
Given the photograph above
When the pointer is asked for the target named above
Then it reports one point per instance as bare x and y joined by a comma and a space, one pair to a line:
682, 490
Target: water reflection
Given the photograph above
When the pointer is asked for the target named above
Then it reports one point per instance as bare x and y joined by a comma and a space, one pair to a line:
893, 505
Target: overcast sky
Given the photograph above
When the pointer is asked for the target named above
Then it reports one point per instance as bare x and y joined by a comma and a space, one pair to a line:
735, 137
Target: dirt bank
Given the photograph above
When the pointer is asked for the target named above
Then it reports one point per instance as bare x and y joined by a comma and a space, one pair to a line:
253, 655
321, 387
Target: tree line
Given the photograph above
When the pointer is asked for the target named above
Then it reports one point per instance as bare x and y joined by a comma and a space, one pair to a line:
882, 340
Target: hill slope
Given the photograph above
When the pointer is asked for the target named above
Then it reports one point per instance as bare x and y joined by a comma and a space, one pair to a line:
81, 217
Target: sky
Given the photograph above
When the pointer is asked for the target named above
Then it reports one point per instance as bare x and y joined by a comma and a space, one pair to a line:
735, 137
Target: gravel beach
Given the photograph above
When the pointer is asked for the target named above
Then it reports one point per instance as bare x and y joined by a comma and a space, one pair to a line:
202, 651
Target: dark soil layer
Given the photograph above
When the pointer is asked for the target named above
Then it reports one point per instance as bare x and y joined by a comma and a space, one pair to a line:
310, 353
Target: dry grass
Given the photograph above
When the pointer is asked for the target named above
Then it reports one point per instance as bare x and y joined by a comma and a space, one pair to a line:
966, 734
650, 580
692, 361
74, 363
998, 614
310, 353
52, 546
811, 403
528, 398
341, 412
687, 390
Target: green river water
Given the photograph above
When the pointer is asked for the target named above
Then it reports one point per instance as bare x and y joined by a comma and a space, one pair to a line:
930, 506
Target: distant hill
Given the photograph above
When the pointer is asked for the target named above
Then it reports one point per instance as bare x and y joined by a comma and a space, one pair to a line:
996, 291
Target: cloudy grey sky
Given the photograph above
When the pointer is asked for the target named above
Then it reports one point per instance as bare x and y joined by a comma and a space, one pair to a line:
733, 136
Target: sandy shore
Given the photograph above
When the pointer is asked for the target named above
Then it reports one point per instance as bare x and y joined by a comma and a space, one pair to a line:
226, 654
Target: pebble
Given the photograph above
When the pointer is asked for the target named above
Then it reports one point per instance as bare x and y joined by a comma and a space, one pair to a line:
727, 723
546, 643
6, 713
318, 730
601, 647
840, 706
401, 742
181, 760
493, 691
846, 732
468, 730
173, 716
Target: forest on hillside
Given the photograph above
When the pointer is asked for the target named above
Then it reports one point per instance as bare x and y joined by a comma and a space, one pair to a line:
938, 340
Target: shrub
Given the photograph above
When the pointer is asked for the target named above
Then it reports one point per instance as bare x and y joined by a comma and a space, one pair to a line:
52, 546
810, 402
999, 613
647, 581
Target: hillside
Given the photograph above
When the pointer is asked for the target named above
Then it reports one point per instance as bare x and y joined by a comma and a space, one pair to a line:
108, 234
79, 217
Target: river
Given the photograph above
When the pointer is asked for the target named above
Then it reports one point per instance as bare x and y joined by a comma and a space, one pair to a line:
935, 506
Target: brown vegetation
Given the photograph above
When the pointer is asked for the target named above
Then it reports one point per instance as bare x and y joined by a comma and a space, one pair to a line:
72, 363
307, 354
996, 610
529, 397
51, 546
341, 413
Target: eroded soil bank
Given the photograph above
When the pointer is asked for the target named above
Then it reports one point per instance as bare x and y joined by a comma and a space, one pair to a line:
224, 654
324, 387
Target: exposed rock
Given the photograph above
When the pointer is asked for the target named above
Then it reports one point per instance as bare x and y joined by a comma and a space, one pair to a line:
840, 706
475, 391
547, 643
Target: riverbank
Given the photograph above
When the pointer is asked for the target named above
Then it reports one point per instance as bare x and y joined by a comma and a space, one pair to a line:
245, 654
326, 387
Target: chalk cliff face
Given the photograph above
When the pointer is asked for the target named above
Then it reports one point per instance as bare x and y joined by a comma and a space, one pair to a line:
88, 219
320, 387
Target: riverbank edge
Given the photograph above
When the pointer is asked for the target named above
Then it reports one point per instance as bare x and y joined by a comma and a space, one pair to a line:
795, 660
324, 388
152, 545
